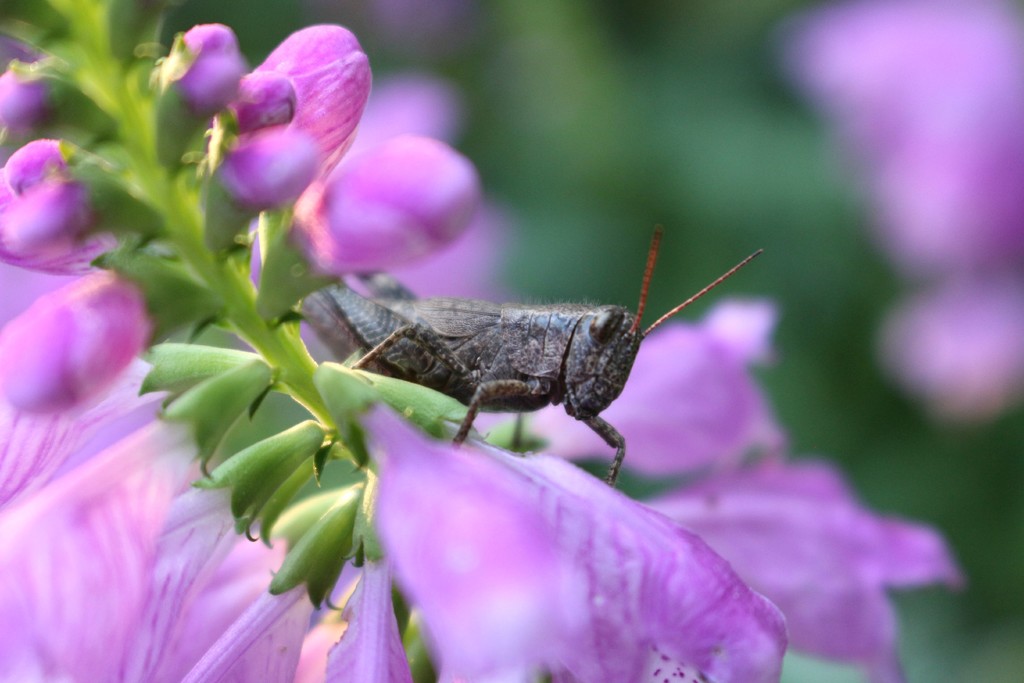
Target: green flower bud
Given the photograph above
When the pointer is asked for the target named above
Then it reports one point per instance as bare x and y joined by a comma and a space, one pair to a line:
212, 406
254, 474
318, 555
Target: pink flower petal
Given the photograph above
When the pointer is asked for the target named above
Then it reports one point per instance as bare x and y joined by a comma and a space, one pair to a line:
797, 534
371, 647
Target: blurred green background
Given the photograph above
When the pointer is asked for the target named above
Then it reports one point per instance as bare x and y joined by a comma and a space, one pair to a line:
590, 123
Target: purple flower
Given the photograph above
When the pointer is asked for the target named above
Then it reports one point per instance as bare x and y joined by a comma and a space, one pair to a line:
331, 77
410, 104
265, 99
510, 537
960, 346
75, 558
33, 447
690, 401
72, 344
389, 206
211, 81
796, 533
34, 163
24, 104
115, 575
371, 647
269, 169
930, 97
48, 220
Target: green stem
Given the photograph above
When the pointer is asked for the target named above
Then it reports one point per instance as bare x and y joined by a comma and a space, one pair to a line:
179, 202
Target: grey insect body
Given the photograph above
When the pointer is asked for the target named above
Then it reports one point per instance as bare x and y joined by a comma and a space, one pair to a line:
492, 357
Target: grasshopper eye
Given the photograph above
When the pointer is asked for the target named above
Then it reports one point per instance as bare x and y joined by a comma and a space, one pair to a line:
603, 327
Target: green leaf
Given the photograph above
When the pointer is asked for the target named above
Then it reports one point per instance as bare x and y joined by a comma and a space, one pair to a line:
173, 298
254, 474
177, 367
212, 406
319, 554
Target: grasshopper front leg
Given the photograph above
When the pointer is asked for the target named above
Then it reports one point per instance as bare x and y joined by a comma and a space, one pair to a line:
611, 437
488, 392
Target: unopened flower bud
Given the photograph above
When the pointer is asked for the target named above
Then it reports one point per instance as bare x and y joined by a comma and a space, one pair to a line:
331, 76
34, 163
48, 219
24, 103
265, 98
74, 259
269, 169
211, 81
388, 206
71, 344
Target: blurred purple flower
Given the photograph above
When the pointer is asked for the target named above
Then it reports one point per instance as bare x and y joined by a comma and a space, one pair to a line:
76, 555
48, 220
410, 103
506, 536
67, 253
113, 574
33, 447
265, 99
34, 163
24, 104
690, 401
269, 169
211, 81
930, 97
960, 346
72, 344
796, 533
371, 647
392, 204
331, 77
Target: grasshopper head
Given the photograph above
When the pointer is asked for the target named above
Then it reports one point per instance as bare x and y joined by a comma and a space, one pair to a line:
600, 356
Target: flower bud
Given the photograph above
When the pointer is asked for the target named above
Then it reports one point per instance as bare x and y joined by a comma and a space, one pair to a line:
269, 169
265, 98
388, 206
331, 76
34, 163
71, 344
24, 103
47, 220
211, 81
68, 258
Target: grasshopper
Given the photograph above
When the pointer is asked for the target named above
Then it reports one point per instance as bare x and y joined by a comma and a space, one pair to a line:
495, 357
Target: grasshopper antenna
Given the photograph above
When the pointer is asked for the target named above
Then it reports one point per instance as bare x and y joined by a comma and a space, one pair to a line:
652, 257
719, 280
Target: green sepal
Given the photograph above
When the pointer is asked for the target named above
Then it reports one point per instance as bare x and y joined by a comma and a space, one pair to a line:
431, 410
213, 405
177, 129
117, 208
225, 223
285, 275
278, 502
347, 396
364, 534
320, 552
177, 367
255, 473
173, 298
